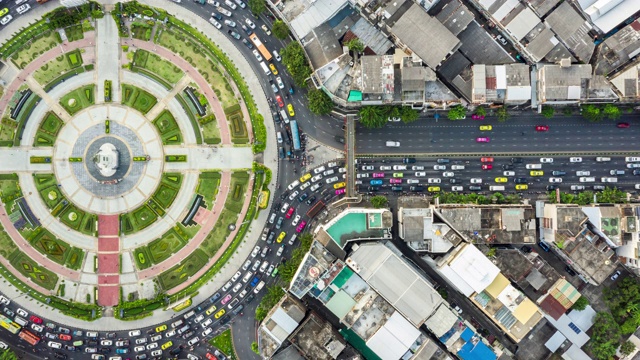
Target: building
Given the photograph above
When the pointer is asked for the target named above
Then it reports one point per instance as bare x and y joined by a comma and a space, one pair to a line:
559, 299
573, 30
422, 231
572, 330
614, 54
585, 237
501, 84
475, 276
281, 321
565, 83
377, 79
315, 338
605, 15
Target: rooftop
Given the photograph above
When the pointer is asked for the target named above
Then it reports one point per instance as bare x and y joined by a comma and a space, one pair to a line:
617, 50
591, 254
425, 36
315, 263
281, 321
322, 45
378, 76
317, 339
418, 227
481, 48
561, 83
358, 223
371, 37
454, 15
607, 14
541, 7
573, 30
573, 330
395, 280
315, 14
469, 269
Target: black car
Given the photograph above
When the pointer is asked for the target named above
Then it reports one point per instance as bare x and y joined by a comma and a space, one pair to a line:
526, 249
310, 200
277, 206
569, 270
453, 181
69, 347
216, 15
214, 298
303, 197
551, 187
175, 351
225, 319
339, 139
111, 335
416, 188
250, 298
409, 160
516, 160
105, 350
92, 343
247, 43
636, 172
373, 188
520, 180
442, 161
508, 167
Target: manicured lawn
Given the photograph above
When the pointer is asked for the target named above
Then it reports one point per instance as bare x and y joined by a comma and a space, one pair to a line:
51, 70
50, 246
7, 131
74, 58
224, 343
168, 189
211, 132
238, 187
137, 98
138, 219
33, 270
9, 188
208, 187
34, 49
78, 99
162, 248
214, 240
78, 220
183, 271
168, 128
74, 33
7, 246
157, 65
52, 196
74, 258
48, 130
191, 52
142, 257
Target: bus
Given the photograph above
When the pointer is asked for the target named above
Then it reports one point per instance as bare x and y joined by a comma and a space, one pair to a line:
29, 337
295, 135
260, 46
315, 209
8, 324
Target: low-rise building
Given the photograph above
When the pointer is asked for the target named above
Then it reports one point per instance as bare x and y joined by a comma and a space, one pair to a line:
508, 84
567, 83
281, 321
605, 15
422, 231
573, 30
614, 53
315, 338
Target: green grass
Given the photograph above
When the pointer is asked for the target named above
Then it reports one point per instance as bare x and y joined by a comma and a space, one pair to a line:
8, 129
237, 189
138, 219
208, 184
32, 270
224, 343
214, 240
78, 99
51, 70
74, 58
161, 249
74, 258
74, 32
168, 190
157, 65
78, 220
34, 49
48, 130
7, 246
142, 258
137, 98
183, 271
168, 128
9, 188
52, 247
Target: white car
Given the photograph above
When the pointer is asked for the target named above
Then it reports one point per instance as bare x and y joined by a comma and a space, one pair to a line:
448, 174
509, 173
143, 340
106, 342
250, 23
399, 167
256, 53
156, 352
236, 288
280, 251
215, 23
433, 180
279, 82
256, 265
138, 348
421, 173
439, 167
637, 186
295, 220
264, 266
152, 346
319, 170
235, 277
368, 168
633, 165
134, 333
266, 30
55, 345
208, 322
546, 160
255, 252
3, 345
555, 180
315, 187
294, 195
284, 208
362, 175
457, 188
583, 173
417, 167
575, 159
22, 313
332, 164
316, 178
332, 180
207, 331
342, 170
193, 341
457, 167
198, 318
246, 265
170, 333
631, 159
270, 270
577, 187
38, 328
5, 20
385, 168
413, 181
476, 180
23, 9
587, 179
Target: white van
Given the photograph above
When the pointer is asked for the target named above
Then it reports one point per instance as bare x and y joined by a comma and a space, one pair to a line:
534, 166
259, 287
175, 324
293, 239
283, 115
496, 188
20, 321
393, 143
609, 180
265, 68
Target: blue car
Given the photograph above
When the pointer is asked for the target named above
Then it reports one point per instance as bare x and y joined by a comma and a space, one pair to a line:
375, 182
255, 280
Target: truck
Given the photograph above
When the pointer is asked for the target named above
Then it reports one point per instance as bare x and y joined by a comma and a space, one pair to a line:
265, 68
260, 46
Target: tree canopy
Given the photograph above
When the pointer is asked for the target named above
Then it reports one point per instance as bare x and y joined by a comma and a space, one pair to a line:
580, 304
605, 337
319, 102
548, 111
294, 59
457, 112
379, 201
257, 7
502, 114
280, 30
355, 45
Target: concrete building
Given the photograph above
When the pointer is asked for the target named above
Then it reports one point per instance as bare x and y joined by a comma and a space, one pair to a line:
605, 15
559, 299
475, 276
423, 231
315, 338
572, 333
584, 237
573, 30
615, 53
377, 79
565, 83
281, 321
501, 84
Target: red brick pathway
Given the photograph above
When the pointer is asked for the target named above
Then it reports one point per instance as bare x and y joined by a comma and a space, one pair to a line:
108, 260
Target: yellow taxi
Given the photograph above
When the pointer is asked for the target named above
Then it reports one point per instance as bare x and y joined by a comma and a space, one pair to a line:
501, 179
219, 313
522, 187
273, 69
281, 237
433, 188
211, 310
339, 185
486, 127
536, 173
305, 177
291, 112
167, 345
4, 11
161, 328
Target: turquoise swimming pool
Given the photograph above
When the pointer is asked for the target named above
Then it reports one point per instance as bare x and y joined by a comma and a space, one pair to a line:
350, 223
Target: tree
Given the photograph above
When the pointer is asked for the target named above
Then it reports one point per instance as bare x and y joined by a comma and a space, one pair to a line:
611, 112
254, 348
355, 45
257, 7
408, 115
580, 304
379, 201
627, 348
319, 102
294, 59
480, 110
372, 117
280, 29
592, 113
605, 336
502, 114
8, 355
492, 252
457, 112
612, 196
548, 111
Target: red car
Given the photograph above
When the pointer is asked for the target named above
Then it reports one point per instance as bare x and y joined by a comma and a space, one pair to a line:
483, 139
395, 181
280, 102
65, 337
290, 212
35, 319
211, 356
486, 159
542, 127
623, 125
487, 166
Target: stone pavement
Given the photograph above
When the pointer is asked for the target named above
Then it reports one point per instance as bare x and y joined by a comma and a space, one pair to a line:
17, 159
207, 158
107, 49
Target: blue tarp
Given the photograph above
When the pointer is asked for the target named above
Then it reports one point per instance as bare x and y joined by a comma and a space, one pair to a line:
471, 351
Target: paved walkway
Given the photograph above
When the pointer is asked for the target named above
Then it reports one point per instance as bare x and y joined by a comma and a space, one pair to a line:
108, 260
17, 160
210, 157
221, 118
107, 50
